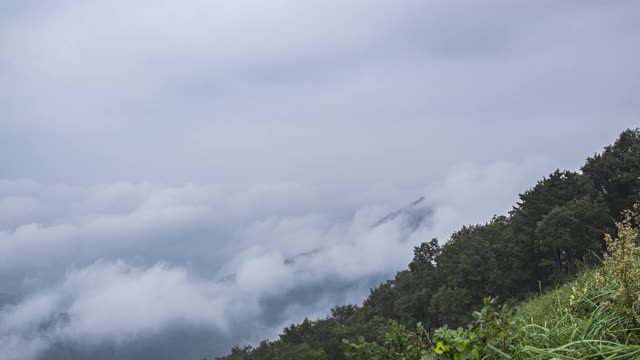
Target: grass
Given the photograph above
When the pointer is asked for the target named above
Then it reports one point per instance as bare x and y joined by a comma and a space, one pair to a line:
577, 321
597, 316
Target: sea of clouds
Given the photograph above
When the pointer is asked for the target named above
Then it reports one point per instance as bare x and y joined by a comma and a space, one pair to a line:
103, 268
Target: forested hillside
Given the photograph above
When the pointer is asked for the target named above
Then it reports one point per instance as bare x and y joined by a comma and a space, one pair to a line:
556, 230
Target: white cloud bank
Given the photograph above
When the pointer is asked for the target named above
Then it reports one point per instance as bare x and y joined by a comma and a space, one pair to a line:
123, 262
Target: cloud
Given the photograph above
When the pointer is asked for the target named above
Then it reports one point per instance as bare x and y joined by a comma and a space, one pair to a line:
110, 303
305, 91
121, 264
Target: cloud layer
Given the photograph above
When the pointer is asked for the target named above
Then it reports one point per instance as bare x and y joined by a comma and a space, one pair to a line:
111, 266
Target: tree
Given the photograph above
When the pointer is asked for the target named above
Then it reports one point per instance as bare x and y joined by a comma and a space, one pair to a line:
479, 257
452, 306
557, 189
616, 172
414, 295
342, 314
572, 234
381, 300
285, 351
424, 256
238, 353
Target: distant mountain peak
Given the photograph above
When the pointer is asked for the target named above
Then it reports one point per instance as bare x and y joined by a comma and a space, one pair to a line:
413, 214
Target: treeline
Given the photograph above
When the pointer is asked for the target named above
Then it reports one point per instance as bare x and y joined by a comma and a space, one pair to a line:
596, 316
555, 228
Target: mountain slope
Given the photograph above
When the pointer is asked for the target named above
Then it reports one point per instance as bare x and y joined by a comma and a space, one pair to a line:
555, 229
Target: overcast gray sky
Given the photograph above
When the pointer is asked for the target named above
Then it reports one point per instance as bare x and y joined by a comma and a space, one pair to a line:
172, 157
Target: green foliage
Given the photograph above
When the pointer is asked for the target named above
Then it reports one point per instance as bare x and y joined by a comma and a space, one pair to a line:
342, 314
477, 259
452, 306
537, 252
381, 300
285, 351
264, 351
398, 344
616, 172
570, 235
424, 256
621, 272
595, 317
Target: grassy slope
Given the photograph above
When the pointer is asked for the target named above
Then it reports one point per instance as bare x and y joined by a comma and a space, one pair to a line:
596, 316
576, 321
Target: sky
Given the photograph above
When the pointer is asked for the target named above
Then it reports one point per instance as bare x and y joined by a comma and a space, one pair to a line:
180, 176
